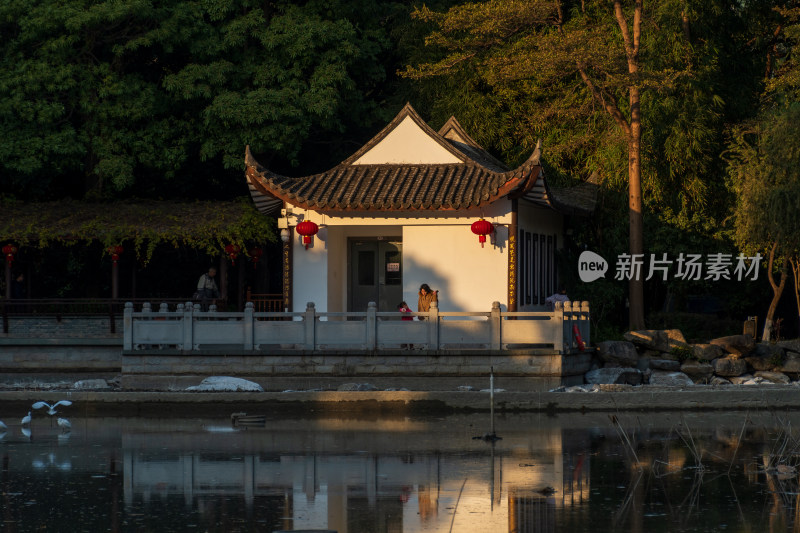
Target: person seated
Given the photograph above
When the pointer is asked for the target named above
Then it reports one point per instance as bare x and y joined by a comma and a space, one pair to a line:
560, 296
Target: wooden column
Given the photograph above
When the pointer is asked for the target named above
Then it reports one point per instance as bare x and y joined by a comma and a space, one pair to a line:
513, 230
287, 272
8, 279
242, 274
114, 280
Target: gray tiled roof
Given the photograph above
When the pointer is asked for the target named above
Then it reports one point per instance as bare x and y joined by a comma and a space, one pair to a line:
478, 180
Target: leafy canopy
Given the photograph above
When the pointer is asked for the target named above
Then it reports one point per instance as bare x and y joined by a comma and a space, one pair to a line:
203, 226
133, 97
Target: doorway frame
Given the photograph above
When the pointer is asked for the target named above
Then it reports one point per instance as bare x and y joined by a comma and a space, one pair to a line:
349, 262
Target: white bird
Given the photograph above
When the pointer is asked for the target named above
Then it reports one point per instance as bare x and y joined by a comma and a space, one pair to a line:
52, 408
64, 424
26, 419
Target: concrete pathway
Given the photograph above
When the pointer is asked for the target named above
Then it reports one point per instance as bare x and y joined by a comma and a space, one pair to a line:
616, 398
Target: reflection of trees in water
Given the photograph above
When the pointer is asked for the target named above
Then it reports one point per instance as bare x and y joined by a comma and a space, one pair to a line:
779, 465
768, 461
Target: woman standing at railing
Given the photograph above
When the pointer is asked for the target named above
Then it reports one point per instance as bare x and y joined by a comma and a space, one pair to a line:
426, 296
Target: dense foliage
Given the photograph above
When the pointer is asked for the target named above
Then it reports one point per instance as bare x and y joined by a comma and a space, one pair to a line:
106, 102
158, 99
553, 70
205, 226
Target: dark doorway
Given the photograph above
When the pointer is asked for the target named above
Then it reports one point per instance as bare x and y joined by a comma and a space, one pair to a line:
376, 273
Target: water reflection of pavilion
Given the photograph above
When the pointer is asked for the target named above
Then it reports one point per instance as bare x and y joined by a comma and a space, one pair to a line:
466, 484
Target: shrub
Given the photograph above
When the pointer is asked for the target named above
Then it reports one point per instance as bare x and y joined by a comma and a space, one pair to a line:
682, 353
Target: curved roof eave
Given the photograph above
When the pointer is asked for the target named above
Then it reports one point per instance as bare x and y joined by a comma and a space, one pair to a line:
452, 188
265, 194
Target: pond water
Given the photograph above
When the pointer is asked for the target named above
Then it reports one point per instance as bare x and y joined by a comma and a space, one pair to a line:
631, 472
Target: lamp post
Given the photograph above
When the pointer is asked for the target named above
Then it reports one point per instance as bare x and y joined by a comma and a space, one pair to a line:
8, 251
114, 252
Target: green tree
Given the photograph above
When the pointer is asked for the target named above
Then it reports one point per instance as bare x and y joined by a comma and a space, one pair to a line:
765, 173
585, 70
115, 98
561, 71
764, 156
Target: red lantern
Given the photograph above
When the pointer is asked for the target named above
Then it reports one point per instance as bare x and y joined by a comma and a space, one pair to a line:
233, 251
307, 229
114, 252
482, 228
9, 250
256, 253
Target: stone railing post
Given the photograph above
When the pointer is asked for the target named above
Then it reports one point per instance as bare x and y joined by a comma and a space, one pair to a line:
495, 327
127, 325
310, 320
372, 326
433, 326
188, 327
147, 317
558, 327
247, 326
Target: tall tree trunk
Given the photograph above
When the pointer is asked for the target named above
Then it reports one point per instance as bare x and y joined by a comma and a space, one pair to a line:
777, 292
633, 133
636, 222
631, 39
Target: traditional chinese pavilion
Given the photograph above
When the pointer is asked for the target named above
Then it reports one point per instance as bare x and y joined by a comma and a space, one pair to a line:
415, 206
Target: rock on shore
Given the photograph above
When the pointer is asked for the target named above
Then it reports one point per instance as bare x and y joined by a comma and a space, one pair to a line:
664, 357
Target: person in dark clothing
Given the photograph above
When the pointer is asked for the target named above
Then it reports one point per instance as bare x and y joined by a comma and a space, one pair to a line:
207, 290
18, 287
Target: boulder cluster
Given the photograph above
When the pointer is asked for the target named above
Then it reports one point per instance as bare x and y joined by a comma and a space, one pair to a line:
663, 357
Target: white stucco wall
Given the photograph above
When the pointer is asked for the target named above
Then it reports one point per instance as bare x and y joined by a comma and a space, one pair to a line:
407, 144
438, 249
310, 269
450, 260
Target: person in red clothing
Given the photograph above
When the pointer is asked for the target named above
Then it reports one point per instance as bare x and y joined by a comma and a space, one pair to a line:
403, 308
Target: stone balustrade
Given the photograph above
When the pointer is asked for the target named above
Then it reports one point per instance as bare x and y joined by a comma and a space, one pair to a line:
189, 329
